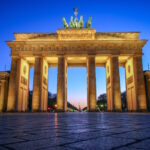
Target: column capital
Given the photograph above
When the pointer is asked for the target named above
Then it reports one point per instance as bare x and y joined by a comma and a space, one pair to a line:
61, 55
38, 56
111, 56
91, 55
15, 57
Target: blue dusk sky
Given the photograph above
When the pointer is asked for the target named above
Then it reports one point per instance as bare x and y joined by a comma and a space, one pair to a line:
46, 16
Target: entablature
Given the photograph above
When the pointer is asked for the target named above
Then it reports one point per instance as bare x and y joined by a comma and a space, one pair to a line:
82, 47
77, 41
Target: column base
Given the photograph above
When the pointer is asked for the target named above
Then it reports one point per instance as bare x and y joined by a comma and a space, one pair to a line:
11, 110
35, 111
60, 110
109, 110
118, 110
93, 110
143, 110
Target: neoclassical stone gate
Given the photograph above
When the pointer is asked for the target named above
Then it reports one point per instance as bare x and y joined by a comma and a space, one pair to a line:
76, 47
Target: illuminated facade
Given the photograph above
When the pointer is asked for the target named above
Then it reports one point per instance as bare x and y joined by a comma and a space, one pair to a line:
76, 47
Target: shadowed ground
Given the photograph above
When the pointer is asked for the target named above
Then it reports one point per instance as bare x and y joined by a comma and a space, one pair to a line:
70, 131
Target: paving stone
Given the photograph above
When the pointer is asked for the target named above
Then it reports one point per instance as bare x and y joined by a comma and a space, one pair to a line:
138, 135
145, 144
4, 141
71, 131
102, 143
3, 148
42, 143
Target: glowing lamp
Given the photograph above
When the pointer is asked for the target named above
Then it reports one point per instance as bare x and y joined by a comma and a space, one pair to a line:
49, 108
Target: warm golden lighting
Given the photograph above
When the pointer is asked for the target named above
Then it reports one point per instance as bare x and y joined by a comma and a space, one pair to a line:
122, 59
100, 60
30, 59
76, 61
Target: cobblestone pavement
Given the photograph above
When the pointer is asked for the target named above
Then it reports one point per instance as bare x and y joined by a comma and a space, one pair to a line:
70, 131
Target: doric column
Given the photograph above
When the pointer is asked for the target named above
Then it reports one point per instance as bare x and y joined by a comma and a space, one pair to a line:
12, 90
61, 84
40, 85
91, 84
4, 78
136, 97
44, 86
65, 102
147, 87
2, 96
113, 85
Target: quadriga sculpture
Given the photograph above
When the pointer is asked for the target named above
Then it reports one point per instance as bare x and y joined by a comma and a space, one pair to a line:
76, 23
88, 24
65, 24
71, 22
80, 24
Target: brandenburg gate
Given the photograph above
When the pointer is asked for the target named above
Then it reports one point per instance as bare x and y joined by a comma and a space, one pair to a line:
76, 47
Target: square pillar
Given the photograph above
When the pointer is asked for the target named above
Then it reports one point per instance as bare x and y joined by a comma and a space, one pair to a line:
44, 86
135, 86
23, 85
18, 85
62, 84
65, 102
12, 90
4, 77
113, 84
2, 95
40, 85
91, 84
147, 87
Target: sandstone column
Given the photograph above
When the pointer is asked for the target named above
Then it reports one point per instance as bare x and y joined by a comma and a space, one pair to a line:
12, 90
61, 84
40, 85
3, 93
44, 86
136, 96
65, 102
4, 80
147, 87
91, 84
2, 98
113, 85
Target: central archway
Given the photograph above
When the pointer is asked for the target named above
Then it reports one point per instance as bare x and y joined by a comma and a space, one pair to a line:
77, 87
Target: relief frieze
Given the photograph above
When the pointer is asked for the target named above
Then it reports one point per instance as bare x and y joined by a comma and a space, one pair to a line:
45, 81
130, 80
23, 80
108, 80
75, 47
75, 36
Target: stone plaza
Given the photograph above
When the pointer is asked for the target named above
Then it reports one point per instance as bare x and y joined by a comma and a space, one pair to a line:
75, 131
